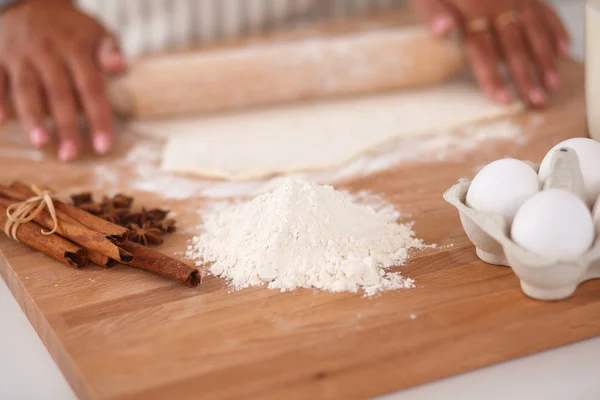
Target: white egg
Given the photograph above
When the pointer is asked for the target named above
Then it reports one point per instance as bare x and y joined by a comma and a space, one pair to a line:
554, 223
588, 152
502, 187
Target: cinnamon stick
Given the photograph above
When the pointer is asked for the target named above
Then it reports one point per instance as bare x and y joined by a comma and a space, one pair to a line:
21, 193
152, 260
98, 235
53, 246
115, 233
83, 236
100, 259
11, 193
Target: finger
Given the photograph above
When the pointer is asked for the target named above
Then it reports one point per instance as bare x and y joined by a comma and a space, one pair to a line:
28, 100
89, 82
483, 55
62, 103
541, 49
110, 57
519, 63
438, 14
561, 39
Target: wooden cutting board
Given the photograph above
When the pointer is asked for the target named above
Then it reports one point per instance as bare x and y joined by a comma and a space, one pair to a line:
124, 333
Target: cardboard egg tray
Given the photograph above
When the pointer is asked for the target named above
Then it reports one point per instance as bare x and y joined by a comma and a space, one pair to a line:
541, 277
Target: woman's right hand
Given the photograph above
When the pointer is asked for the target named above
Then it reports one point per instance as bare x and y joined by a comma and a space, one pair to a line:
53, 59
526, 35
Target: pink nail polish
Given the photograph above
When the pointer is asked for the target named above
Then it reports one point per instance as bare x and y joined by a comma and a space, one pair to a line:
537, 97
67, 151
552, 80
441, 25
38, 137
114, 57
117, 62
102, 143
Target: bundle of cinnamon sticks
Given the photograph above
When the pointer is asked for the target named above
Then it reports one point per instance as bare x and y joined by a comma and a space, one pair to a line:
81, 237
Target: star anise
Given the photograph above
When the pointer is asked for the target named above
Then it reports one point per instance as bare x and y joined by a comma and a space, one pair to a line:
146, 226
166, 226
156, 216
115, 209
115, 216
81, 198
92, 208
133, 218
145, 234
84, 201
121, 201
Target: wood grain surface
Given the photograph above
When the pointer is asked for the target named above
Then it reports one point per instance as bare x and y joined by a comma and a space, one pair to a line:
123, 333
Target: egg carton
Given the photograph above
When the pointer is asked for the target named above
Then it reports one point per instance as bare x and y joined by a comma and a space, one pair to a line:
541, 277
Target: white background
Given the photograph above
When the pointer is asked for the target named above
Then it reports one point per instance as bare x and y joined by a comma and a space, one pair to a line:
28, 372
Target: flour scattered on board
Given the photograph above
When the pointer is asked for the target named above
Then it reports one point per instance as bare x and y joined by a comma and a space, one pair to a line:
303, 235
106, 176
148, 177
437, 147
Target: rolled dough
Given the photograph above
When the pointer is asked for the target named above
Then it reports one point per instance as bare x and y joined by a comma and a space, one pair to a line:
316, 136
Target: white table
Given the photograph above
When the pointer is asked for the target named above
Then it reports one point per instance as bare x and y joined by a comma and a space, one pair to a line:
28, 372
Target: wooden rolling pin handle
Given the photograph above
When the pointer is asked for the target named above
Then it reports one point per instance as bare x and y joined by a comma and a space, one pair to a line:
349, 60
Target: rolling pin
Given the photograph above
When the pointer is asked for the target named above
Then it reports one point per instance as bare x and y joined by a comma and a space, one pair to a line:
330, 59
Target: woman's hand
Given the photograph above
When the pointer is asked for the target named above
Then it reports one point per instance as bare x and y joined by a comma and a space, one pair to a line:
527, 35
53, 59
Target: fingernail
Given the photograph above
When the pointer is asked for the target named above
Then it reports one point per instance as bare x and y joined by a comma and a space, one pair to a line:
38, 137
564, 47
108, 45
115, 57
67, 151
111, 47
114, 61
441, 25
102, 143
552, 80
503, 96
537, 97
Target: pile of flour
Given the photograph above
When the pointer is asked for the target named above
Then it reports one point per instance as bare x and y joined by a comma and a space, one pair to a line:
306, 235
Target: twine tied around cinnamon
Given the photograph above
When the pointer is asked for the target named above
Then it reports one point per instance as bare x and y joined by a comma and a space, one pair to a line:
25, 211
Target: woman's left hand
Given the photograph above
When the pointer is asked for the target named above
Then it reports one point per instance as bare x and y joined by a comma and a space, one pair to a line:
527, 35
